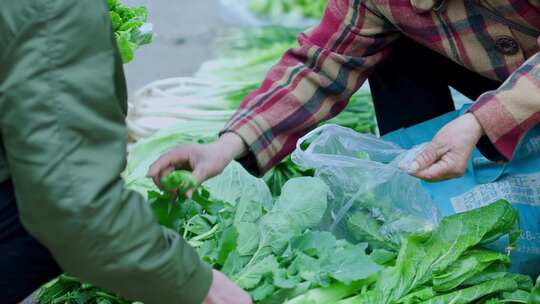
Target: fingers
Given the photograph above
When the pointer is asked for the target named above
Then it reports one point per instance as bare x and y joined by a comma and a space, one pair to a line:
178, 157
224, 291
161, 174
436, 172
205, 162
448, 166
174, 159
429, 156
437, 162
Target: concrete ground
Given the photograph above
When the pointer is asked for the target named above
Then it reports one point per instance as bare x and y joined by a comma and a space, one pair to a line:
185, 31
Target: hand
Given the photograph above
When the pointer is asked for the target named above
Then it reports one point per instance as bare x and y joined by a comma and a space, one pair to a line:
224, 291
447, 155
206, 161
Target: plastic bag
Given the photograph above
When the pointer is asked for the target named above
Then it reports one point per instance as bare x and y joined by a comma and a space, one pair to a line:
372, 200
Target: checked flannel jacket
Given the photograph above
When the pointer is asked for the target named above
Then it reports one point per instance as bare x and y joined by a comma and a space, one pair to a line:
312, 83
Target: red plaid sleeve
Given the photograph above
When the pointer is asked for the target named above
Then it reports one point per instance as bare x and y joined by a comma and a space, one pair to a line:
507, 113
313, 82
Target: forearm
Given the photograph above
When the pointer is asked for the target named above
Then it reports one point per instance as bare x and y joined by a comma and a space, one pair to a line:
311, 83
509, 112
232, 146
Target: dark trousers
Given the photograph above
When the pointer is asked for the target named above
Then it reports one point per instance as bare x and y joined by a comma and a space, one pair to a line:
25, 264
411, 86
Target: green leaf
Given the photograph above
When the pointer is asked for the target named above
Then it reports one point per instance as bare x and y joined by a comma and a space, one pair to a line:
309, 269
471, 294
534, 298
234, 264
301, 206
518, 296
423, 294
167, 211
330, 294
116, 20
282, 279
383, 257
235, 184
365, 228
497, 271
304, 200
423, 254
212, 206
130, 25
248, 211
282, 172
276, 230
180, 181
251, 276
468, 265
314, 243
263, 291
248, 238
282, 295
226, 244
125, 46
348, 264
198, 225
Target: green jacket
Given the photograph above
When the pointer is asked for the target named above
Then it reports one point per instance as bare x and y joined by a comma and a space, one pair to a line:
63, 143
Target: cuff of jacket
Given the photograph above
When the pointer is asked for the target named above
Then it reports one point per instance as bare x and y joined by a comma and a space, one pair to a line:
500, 141
196, 288
260, 151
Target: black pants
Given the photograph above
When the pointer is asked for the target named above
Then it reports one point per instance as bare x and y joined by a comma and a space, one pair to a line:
25, 264
411, 86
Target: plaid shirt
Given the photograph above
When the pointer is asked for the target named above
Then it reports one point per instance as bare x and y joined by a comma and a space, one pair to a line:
314, 82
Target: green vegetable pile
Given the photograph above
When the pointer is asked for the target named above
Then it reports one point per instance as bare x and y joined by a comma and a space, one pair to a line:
128, 24
273, 249
306, 8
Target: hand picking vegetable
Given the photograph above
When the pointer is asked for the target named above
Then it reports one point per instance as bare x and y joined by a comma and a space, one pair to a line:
205, 161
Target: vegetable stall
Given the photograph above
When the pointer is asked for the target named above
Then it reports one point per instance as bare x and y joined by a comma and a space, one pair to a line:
264, 233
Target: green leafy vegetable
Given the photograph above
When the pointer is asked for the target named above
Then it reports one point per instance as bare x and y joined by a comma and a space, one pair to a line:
129, 28
534, 298
273, 250
469, 295
469, 264
310, 9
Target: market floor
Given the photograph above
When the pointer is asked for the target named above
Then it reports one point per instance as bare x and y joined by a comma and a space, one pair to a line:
185, 31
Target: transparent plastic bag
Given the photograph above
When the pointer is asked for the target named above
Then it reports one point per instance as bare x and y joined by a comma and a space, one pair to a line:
372, 200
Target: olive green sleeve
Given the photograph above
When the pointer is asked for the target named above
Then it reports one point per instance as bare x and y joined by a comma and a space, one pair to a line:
63, 132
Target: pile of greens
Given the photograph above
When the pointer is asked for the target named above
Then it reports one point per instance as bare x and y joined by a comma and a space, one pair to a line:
267, 246
306, 8
447, 265
273, 249
130, 28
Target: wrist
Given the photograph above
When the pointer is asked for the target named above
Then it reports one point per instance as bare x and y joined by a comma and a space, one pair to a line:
476, 125
232, 146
